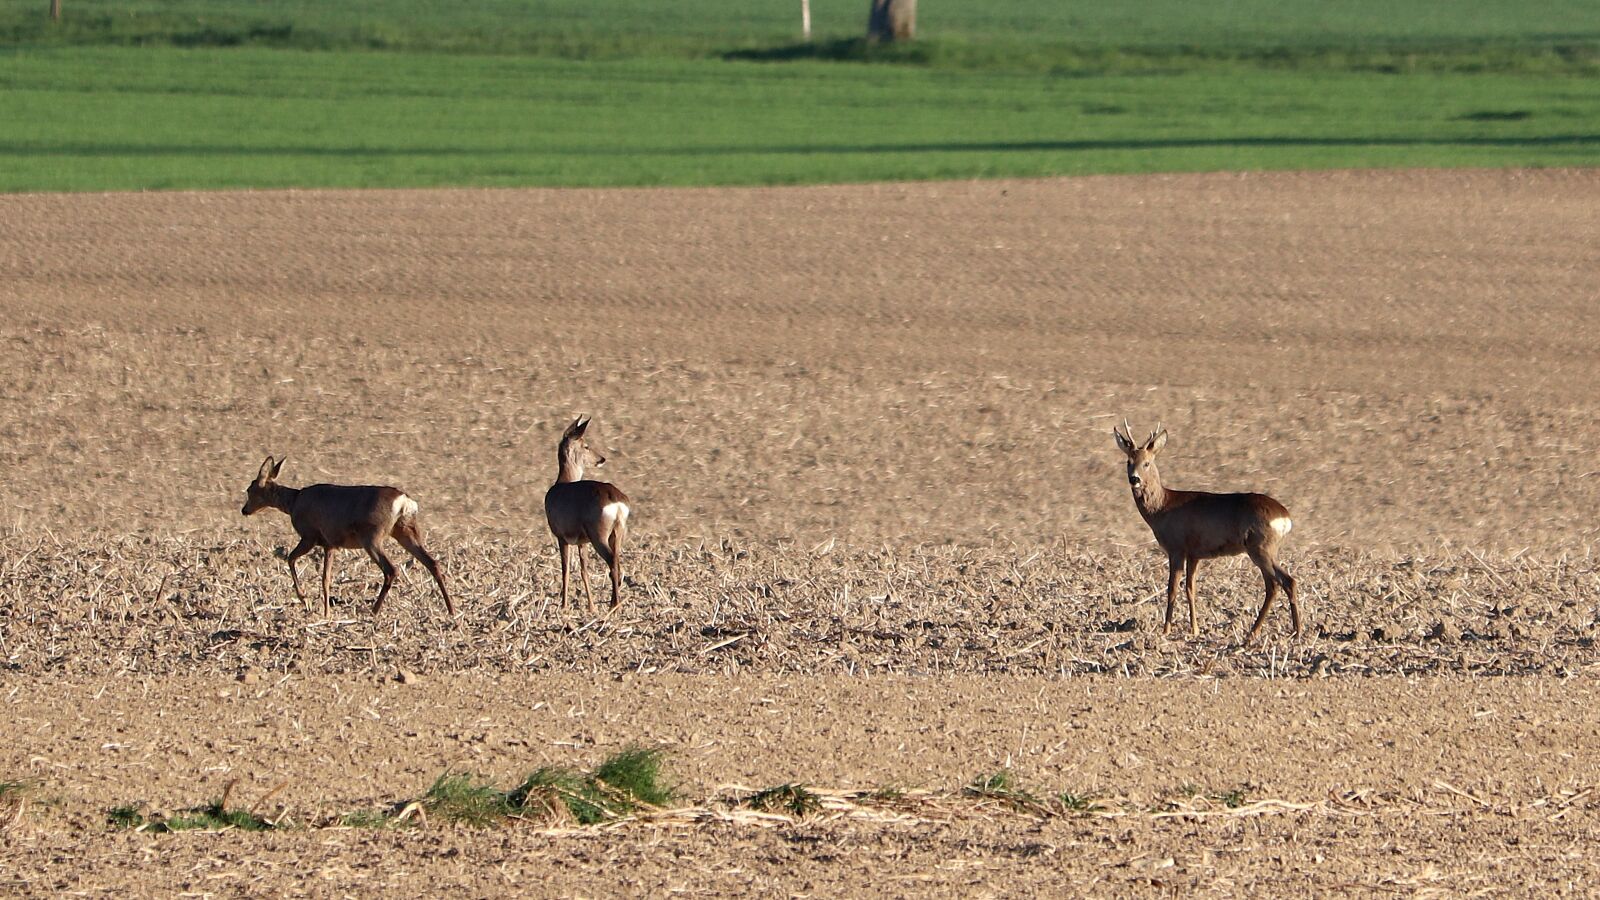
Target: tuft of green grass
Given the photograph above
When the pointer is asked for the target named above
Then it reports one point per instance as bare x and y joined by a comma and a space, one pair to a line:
1080, 804
1231, 799
635, 773
624, 783
792, 799
214, 817
366, 818
458, 797
127, 817
1002, 786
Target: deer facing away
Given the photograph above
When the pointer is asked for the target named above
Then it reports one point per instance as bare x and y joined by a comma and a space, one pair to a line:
585, 512
1195, 525
337, 516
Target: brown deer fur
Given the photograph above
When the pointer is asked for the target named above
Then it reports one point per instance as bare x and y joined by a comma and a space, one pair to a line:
1194, 525
350, 517
585, 512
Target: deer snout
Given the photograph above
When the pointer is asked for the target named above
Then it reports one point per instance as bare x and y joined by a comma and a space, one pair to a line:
599, 461
1135, 480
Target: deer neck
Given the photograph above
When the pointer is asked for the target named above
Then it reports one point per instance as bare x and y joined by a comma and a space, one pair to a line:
568, 469
282, 498
1153, 499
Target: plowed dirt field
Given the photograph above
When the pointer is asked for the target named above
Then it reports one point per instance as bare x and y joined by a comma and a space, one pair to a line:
882, 541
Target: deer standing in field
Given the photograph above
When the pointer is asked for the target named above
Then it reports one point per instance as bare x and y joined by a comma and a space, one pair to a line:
1195, 525
585, 512
351, 517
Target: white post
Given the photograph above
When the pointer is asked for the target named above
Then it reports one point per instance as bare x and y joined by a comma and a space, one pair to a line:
805, 18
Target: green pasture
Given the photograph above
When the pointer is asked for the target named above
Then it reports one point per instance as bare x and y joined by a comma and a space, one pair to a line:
1028, 33
119, 118
163, 94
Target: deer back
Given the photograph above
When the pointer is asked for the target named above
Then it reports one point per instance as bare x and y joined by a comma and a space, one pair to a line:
338, 515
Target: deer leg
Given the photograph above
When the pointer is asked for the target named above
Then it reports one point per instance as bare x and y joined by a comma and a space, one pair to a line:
1190, 565
327, 574
1265, 563
1174, 564
300, 549
583, 573
603, 545
382, 559
566, 554
1287, 580
410, 537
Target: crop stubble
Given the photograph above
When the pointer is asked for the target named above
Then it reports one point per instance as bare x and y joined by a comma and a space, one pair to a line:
867, 430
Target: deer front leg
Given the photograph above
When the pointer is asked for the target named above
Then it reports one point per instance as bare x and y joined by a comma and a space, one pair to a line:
300, 549
583, 573
1190, 566
566, 554
1174, 565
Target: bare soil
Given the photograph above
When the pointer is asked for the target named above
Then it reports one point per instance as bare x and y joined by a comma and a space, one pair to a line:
881, 531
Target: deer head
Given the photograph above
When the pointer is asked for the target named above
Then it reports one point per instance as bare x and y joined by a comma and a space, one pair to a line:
1142, 473
575, 454
258, 495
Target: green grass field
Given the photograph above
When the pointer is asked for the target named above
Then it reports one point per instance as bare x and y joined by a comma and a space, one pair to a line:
188, 94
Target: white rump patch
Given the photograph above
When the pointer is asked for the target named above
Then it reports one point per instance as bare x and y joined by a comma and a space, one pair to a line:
1281, 525
616, 512
404, 507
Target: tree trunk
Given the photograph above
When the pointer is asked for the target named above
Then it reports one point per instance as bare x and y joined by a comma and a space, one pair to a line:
55, 10
892, 20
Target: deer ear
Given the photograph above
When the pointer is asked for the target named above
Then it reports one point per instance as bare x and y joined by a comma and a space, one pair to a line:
278, 466
1125, 444
1157, 441
266, 472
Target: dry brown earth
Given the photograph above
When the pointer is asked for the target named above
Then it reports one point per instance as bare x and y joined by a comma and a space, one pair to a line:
882, 533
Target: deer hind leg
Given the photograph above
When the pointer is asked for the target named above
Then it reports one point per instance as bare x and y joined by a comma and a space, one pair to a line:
410, 537
327, 575
609, 547
1174, 566
1264, 561
1287, 580
300, 549
382, 559
1190, 566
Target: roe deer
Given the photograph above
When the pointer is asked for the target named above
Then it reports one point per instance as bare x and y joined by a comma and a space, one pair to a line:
585, 512
1195, 525
344, 516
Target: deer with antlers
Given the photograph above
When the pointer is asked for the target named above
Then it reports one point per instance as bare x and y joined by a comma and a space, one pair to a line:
352, 517
1192, 526
585, 512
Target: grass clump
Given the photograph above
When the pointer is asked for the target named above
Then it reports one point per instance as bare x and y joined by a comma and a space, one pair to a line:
623, 784
127, 817
368, 818
1002, 786
458, 797
791, 799
216, 817
1080, 804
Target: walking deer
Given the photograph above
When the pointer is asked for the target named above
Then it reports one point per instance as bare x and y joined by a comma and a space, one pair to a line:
1195, 525
585, 512
351, 517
